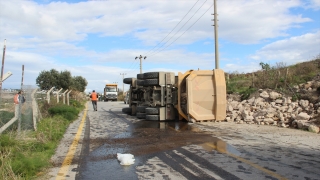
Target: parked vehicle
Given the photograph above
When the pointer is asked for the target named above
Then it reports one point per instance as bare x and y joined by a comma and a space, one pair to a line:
194, 96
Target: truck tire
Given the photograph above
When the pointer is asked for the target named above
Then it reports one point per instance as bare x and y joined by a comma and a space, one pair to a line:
141, 115
140, 82
141, 109
140, 76
127, 110
127, 80
152, 111
151, 75
152, 117
151, 82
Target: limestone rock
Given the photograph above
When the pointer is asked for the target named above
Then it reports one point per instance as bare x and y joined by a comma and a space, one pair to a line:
302, 116
313, 128
264, 95
274, 95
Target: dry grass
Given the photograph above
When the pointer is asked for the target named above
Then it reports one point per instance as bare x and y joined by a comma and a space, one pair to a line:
279, 77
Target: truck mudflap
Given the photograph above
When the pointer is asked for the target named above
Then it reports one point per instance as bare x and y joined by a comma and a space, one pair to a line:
206, 95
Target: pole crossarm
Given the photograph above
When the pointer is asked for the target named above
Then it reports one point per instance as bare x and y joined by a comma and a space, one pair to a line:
140, 57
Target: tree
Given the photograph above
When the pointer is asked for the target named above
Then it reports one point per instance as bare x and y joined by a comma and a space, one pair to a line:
79, 83
52, 78
47, 79
264, 66
65, 79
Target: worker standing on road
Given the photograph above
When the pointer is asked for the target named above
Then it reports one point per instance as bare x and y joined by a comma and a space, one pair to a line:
94, 98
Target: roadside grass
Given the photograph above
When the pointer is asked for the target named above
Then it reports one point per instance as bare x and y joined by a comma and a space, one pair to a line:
27, 155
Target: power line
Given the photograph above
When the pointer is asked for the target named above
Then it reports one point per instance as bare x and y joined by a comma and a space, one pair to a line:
156, 51
183, 32
178, 30
173, 28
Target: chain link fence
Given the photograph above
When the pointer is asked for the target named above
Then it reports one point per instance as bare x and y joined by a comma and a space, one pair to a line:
21, 116
26, 115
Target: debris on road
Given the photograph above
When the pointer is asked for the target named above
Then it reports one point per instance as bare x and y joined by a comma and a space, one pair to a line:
125, 159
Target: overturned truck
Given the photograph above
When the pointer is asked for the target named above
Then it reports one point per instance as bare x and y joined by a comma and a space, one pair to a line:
196, 95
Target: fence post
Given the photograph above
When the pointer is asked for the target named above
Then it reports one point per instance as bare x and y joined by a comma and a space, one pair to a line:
58, 95
64, 97
34, 109
68, 96
48, 95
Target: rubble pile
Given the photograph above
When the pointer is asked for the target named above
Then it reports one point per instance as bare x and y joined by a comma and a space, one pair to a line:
272, 108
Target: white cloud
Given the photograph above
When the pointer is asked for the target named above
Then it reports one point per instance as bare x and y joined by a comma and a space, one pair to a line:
240, 20
292, 50
256, 20
47, 36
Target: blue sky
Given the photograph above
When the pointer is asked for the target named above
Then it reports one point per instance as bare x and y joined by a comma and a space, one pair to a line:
99, 40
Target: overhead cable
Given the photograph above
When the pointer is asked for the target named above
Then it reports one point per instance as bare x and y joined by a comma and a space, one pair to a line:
183, 32
178, 30
173, 28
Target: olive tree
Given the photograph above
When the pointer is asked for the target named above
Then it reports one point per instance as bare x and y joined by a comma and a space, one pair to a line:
64, 79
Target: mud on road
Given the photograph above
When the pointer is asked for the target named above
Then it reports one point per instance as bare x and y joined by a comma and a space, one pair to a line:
179, 150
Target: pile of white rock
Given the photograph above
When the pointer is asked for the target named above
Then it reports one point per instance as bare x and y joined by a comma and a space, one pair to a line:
272, 108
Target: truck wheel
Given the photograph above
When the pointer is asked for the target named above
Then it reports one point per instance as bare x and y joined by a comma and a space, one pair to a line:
141, 115
151, 75
152, 111
127, 80
141, 109
152, 117
140, 76
151, 82
140, 82
127, 110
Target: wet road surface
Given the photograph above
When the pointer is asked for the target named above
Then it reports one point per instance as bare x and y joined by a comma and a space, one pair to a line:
178, 150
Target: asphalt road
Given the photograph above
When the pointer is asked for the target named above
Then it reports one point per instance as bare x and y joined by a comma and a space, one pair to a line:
178, 150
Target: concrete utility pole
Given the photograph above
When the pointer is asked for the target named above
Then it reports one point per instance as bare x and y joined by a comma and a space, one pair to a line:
216, 43
122, 81
140, 57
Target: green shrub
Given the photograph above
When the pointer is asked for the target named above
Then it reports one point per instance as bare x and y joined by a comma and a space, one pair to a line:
68, 112
245, 93
75, 103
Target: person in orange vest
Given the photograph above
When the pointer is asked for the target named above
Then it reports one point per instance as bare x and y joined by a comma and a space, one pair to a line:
17, 100
94, 99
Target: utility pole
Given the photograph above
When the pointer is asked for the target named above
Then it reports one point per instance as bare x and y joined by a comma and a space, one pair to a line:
3, 55
216, 49
140, 57
122, 81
